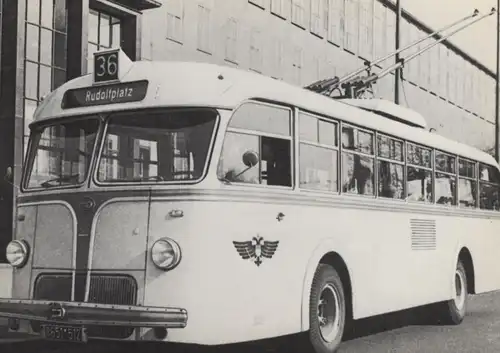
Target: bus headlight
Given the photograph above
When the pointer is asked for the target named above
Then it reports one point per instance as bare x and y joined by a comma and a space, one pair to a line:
166, 254
17, 253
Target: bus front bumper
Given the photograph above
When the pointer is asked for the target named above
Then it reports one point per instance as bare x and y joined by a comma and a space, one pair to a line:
83, 314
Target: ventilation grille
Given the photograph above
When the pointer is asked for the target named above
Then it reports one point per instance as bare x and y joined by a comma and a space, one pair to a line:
423, 234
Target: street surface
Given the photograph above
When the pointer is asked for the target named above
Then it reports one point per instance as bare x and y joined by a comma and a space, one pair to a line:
413, 331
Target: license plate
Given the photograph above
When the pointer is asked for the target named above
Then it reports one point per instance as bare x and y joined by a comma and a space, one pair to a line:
64, 333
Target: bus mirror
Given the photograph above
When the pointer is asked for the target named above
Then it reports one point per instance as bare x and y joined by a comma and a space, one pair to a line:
250, 158
9, 174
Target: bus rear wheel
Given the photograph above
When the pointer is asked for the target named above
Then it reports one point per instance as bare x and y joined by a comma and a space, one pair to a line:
454, 310
327, 310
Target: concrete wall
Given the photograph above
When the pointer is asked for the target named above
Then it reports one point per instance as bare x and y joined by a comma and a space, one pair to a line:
278, 39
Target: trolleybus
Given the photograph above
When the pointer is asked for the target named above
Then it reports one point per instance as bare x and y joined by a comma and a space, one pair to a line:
196, 203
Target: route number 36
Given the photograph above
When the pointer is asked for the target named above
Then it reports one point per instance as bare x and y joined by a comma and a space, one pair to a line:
106, 67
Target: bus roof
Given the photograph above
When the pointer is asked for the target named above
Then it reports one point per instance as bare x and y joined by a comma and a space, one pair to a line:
202, 84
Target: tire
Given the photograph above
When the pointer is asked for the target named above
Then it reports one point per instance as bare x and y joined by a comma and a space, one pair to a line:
454, 310
326, 285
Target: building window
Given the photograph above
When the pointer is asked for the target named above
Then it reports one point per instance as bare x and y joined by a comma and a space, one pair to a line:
45, 55
255, 51
278, 8
443, 71
277, 57
366, 29
434, 73
326, 16
337, 19
451, 76
459, 82
204, 43
104, 33
298, 13
316, 24
379, 29
390, 28
351, 26
297, 65
175, 17
232, 40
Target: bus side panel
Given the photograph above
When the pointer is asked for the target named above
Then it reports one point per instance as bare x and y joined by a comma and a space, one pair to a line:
228, 298
482, 238
386, 273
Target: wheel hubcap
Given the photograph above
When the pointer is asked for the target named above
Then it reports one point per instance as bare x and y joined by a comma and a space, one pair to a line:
460, 291
329, 313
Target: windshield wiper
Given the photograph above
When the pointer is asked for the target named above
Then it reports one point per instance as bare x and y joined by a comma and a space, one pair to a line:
61, 179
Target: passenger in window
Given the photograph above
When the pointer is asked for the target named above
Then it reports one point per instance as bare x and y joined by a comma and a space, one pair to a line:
419, 185
276, 152
360, 176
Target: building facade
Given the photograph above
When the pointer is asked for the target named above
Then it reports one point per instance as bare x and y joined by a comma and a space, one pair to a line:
298, 41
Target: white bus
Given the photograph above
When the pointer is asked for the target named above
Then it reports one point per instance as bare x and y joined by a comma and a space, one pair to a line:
195, 203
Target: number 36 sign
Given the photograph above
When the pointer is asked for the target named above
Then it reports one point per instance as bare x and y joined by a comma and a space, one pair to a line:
109, 64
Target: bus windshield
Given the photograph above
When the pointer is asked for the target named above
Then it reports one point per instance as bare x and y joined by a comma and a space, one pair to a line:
61, 153
156, 146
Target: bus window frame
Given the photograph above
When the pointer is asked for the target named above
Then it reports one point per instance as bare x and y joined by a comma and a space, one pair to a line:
293, 115
149, 183
373, 156
475, 180
456, 175
428, 169
483, 182
298, 141
40, 125
402, 163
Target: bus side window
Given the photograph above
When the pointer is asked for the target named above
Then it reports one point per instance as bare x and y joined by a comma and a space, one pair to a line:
390, 167
445, 184
467, 185
419, 171
357, 161
318, 153
265, 130
489, 183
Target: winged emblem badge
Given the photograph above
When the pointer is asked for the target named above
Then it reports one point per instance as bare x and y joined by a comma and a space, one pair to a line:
256, 249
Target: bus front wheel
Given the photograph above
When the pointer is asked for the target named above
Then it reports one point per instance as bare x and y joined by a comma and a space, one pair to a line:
327, 310
454, 310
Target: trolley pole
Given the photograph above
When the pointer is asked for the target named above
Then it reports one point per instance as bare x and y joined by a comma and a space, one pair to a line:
497, 90
397, 74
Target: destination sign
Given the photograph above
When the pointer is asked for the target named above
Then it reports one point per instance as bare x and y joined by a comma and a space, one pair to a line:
109, 94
